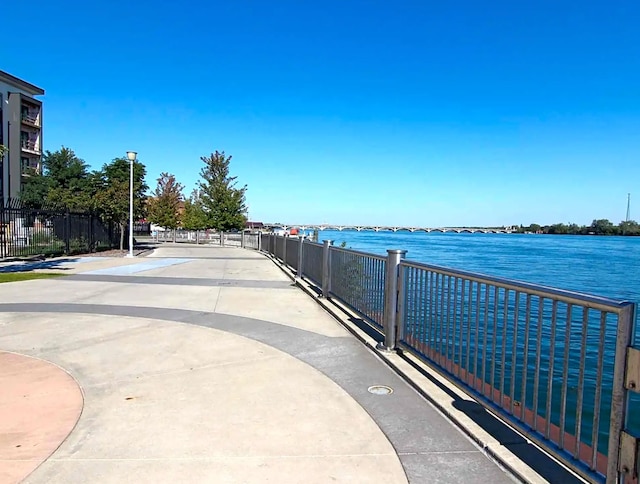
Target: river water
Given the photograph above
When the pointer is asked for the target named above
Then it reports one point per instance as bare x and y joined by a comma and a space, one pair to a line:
604, 266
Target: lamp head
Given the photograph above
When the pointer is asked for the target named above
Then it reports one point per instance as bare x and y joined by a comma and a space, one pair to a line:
131, 155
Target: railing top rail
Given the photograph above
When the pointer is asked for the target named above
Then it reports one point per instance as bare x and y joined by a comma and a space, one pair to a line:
571, 297
363, 254
311, 242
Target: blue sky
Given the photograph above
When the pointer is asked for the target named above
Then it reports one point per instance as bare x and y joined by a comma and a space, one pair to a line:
417, 113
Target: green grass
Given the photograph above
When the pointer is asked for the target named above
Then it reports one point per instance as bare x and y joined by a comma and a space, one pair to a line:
26, 276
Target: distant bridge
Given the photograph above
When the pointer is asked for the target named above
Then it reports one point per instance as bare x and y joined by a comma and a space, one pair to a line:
384, 228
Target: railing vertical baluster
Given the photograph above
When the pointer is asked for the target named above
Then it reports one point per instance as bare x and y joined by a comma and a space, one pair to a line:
565, 376
525, 362
461, 333
401, 298
431, 339
503, 346
299, 273
477, 337
583, 350
326, 268
552, 352
485, 379
468, 346
514, 350
598, 394
443, 320
536, 375
494, 342
454, 321
285, 240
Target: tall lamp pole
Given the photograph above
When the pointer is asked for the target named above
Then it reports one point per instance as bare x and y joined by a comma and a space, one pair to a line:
131, 156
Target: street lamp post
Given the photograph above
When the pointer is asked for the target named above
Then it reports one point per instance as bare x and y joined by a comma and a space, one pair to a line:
131, 156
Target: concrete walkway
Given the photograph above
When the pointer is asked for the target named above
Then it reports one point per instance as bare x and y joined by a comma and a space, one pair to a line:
204, 364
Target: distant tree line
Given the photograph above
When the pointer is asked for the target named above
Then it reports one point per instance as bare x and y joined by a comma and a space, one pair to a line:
597, 227
65, 181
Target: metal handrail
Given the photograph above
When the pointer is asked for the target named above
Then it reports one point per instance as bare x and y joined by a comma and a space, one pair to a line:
595, 302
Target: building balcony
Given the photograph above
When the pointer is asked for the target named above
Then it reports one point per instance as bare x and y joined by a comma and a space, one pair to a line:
31, 146
31, 119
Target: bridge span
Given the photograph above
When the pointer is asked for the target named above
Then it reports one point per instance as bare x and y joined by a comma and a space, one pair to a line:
385, 228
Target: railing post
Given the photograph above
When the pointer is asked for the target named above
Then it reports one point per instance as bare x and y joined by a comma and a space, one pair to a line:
284, 249
259, 241
620, 394
326, 268
390, 321
221, 238
242, 239
300, 246
272, 244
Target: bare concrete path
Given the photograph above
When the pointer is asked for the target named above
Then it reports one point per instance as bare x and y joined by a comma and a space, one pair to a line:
204, 364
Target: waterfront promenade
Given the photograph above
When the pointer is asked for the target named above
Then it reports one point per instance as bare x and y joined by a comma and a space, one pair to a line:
205, 364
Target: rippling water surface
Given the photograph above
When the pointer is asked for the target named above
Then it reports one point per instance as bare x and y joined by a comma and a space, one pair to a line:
605, 266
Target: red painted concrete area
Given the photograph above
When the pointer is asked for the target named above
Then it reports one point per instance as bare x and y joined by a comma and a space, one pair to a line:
39, 406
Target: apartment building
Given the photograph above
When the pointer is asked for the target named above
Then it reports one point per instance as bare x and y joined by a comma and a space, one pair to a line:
20, 132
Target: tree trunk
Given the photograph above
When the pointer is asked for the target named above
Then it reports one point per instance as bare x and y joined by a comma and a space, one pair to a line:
121, 236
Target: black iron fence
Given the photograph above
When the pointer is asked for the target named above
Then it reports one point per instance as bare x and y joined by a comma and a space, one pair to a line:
52, 231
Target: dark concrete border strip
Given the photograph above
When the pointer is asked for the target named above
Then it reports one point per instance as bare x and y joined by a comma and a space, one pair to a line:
420, 434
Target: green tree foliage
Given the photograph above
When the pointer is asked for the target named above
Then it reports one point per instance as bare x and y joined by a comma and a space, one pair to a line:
112, 196
164, 206
194, 216
603, 227
629, 228
3, 150
65, 182
223, 203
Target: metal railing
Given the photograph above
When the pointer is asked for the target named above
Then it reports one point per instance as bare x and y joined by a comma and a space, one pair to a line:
29, 145
291, 256
30, 119
252, 241
225, 239
557, 364
312, 262
358, 279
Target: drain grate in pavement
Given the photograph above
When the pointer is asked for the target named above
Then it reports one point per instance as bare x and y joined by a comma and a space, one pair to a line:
380, 390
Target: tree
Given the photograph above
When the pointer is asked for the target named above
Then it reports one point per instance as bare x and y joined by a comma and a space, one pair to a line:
68, 180
164, 206
194, 217
629, 227
3, 150
535, 228
603, 227
65, 181
113, 192
223, 203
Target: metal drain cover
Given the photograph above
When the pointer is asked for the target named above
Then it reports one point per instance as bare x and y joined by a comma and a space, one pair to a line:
380, 390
